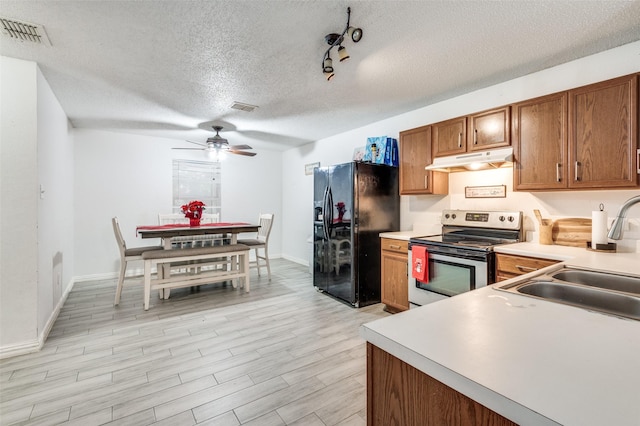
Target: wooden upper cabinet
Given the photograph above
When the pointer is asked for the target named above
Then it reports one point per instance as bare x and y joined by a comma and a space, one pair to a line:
484, 130
450, 137
415, 155
539, 135
489, 129
603, 132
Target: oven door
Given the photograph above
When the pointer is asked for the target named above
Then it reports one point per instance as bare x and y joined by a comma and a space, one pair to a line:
448, 276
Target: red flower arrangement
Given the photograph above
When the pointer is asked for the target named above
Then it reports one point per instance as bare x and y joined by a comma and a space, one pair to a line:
341, 210
193, 210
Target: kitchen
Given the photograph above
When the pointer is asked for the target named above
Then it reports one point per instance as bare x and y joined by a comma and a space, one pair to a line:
419, 212
401, 339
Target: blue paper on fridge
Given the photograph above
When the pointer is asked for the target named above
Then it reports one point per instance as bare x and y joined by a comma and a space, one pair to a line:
381, 150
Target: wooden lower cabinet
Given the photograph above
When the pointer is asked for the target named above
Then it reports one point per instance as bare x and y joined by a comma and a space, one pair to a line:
394, 257
400, 395
509, 266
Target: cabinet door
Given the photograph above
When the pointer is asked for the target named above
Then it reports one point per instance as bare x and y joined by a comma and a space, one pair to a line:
509, 266
540, 143
395, 286
394, 270
415, 155
603, 134
489, 129
400, 394
449, 137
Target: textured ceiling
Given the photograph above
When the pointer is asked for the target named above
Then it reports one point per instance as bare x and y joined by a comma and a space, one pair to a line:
172, 68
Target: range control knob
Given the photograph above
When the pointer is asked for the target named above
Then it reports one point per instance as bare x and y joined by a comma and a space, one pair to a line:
453, 216
511, 218
446, 216
501, 218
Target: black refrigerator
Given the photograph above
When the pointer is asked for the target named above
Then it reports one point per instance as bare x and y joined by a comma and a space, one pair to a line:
353, 203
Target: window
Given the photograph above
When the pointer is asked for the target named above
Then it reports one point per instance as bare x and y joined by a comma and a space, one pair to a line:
197, 180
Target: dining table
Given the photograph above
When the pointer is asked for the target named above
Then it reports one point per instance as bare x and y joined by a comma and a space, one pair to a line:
167, 232
170, 231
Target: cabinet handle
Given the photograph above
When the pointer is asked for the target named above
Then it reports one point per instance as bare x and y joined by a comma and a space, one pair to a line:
526, 268
459, 140
558, 178
577, 171
426, 181
475, 136
393, 246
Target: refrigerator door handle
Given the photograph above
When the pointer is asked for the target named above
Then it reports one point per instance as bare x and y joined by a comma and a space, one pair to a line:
329, 213
325, 227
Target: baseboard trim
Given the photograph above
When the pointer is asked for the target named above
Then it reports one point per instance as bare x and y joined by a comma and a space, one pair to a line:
304, 262
54, 315
36, 345
20, 349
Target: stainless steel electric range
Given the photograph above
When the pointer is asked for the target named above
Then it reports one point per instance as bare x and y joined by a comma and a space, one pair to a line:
461, 259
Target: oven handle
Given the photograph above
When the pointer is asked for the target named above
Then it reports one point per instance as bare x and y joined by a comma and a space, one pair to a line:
481, 257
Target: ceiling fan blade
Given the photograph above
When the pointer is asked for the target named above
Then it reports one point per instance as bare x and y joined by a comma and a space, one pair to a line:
192, 149
248, 154
240, 147
197, 143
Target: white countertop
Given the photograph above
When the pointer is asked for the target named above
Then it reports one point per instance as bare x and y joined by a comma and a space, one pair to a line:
624, 263
532, 361
405, 235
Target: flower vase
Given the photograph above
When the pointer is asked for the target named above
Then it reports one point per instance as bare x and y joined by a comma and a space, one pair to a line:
194, 221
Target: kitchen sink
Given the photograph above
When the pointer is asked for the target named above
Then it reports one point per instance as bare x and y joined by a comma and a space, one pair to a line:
612, 294
600, 280
593, 298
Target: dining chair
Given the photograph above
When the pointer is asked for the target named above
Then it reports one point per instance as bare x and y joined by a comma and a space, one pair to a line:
126, 255
261, 242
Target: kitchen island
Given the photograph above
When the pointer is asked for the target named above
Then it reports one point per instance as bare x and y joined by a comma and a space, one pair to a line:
528, 360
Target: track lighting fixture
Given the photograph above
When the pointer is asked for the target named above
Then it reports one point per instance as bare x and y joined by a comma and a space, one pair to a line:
335, 39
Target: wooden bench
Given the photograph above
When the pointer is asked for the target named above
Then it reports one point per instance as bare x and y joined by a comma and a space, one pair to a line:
186, 260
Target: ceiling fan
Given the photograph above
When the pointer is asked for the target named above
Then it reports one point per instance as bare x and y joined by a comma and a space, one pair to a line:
217, 145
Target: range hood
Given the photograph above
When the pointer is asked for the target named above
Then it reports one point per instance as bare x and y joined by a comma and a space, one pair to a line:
480, 160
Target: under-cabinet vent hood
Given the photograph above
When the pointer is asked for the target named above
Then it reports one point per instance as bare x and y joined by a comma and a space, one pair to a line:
481, 160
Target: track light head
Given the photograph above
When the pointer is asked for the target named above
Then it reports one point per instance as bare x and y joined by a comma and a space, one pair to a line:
355, 34
335, 39
329, 75
327, 65
342, 53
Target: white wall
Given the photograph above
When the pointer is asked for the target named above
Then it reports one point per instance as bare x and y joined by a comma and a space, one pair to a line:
55, 206
130, 176
423, 211
36, 253
18, 204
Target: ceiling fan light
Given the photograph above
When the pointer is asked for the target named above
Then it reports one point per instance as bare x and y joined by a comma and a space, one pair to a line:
342, 53
355, 34
327, 65
215, 154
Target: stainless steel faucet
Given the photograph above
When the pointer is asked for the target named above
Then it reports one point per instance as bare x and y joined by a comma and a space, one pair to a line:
615, 233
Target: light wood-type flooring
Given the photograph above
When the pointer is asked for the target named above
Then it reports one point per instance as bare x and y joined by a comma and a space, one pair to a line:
283, 354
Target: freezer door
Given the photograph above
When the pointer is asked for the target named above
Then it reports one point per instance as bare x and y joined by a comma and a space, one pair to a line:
320, 230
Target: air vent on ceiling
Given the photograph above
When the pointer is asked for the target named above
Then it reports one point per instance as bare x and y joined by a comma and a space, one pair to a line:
24, 31
243, 107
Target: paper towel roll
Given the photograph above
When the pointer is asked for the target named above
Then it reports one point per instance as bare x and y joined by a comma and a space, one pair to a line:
598, 228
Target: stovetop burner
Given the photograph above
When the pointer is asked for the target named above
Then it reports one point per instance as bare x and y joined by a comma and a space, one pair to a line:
474, 230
